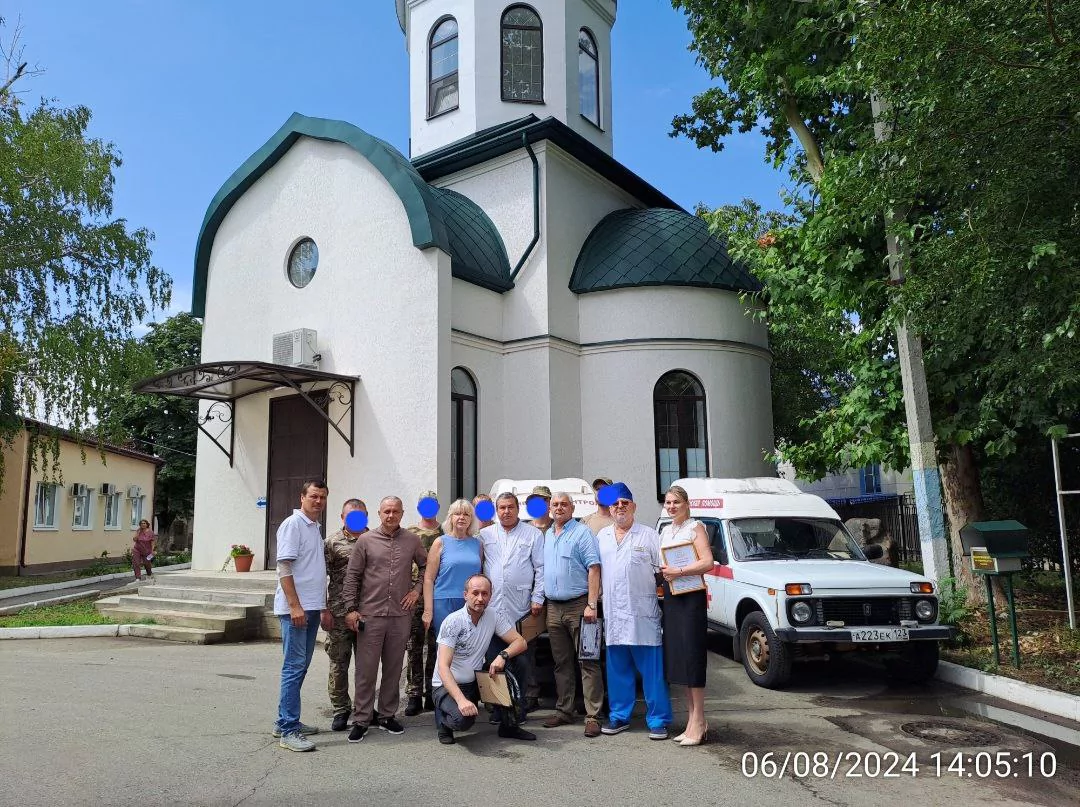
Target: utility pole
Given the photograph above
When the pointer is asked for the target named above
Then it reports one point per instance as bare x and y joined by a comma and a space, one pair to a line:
933, 540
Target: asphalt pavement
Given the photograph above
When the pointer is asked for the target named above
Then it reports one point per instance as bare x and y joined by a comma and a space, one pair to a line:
140, 722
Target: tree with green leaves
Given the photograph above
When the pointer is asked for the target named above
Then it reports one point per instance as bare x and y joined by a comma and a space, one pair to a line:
977, 179
162, 426
74, 279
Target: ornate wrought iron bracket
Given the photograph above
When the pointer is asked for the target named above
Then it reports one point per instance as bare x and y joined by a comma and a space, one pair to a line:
222, 412
340, 393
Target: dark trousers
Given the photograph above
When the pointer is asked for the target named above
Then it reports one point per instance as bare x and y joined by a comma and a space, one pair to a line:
447, 713
520, 666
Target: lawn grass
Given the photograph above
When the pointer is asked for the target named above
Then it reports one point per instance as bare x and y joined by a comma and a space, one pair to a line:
81, 612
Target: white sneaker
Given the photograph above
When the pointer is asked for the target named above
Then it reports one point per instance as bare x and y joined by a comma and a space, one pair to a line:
295, 741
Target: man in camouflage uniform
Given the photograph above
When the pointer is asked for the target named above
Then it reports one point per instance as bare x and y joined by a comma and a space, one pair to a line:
418, 673
340, 641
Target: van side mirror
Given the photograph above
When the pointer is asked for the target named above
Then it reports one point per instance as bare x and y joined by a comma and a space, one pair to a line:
873, 551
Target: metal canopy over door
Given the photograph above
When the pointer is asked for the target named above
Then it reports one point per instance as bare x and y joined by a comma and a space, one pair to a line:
297, 448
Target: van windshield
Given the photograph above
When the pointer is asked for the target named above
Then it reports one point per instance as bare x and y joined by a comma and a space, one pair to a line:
791, 538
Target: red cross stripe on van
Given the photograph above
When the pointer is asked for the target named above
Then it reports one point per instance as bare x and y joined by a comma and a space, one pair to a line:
708, 504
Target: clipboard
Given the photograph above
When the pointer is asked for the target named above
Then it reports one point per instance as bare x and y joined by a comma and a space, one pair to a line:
493, 691
592, 637
682, 555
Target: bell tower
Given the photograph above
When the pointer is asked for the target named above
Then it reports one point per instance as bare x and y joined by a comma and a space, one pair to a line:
474, 64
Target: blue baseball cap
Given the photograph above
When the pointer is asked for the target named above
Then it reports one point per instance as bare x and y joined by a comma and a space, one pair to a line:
621, 491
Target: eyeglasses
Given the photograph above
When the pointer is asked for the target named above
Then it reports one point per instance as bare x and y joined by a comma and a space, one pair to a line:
621, 503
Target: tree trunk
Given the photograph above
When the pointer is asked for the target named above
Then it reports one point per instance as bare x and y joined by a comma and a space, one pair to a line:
963, 504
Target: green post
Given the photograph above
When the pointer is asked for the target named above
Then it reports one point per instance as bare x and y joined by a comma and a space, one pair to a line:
993, 618
1012, 620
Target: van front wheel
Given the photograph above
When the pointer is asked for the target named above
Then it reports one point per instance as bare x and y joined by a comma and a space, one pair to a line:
766, 659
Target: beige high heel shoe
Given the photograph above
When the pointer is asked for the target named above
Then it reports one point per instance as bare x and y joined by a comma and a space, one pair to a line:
686, 742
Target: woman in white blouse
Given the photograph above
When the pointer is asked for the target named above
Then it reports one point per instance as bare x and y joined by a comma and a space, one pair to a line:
685, 617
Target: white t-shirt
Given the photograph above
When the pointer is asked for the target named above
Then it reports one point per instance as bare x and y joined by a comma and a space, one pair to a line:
469, 642
300, 540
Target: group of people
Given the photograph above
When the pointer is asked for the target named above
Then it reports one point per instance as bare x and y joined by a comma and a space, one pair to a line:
452, 597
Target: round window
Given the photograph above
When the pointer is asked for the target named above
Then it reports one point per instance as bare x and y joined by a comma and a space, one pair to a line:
303, 261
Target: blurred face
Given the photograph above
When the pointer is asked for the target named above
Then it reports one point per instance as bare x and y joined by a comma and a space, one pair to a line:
477, 595
562, 509
144, 524
623, 513
478, 499
390, 513
676, 507
460, 522
350, 508
507, 511
313, 502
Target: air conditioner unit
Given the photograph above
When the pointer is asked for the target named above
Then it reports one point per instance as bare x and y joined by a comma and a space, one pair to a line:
296, 348
134, 492
108, 489
79, 489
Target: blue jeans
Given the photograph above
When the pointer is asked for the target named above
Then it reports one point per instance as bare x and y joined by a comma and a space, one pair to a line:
298, 646
622, 663
442, 608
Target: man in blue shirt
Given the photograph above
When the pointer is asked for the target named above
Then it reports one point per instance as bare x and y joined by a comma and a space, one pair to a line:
572, 588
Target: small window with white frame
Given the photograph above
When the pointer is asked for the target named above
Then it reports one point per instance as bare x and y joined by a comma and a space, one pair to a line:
46, 506
136, 511
588, 77
82, 507
112, 511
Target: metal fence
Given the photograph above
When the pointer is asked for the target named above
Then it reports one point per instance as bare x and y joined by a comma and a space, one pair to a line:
898, 519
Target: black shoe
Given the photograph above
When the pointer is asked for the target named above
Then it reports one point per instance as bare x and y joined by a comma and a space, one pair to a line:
429, 703
495, 718
390, 724
414, 706
515, 733
341, 722
446, 737
358, 733
531, 705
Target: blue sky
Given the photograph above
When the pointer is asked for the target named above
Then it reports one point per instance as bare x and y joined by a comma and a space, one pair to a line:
188, 90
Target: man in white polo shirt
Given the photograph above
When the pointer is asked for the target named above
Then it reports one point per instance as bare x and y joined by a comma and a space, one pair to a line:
298, 603
463, 642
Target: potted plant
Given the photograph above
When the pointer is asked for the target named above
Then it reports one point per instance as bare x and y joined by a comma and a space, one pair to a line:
242, 557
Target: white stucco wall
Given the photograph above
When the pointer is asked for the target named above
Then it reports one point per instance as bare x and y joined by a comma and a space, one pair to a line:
846, 484
381, 308
479, 68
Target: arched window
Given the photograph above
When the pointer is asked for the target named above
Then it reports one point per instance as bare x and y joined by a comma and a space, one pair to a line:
522, 56
679, 420
588, 69
462, 434
443, 67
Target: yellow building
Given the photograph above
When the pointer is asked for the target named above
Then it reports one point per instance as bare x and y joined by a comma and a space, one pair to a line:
46, 527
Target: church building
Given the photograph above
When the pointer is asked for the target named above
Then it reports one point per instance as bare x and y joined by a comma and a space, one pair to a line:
506, 301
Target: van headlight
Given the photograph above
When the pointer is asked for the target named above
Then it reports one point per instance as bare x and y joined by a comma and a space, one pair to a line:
801, 612
925, 610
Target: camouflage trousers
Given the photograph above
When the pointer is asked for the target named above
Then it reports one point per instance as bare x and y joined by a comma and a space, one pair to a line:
418, 673
340, 645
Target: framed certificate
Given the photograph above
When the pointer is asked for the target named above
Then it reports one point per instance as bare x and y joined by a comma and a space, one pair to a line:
681, 555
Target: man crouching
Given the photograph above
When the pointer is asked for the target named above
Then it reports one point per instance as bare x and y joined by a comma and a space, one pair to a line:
463, 641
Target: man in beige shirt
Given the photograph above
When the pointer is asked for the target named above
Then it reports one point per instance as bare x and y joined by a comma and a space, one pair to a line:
379, 597
602, 517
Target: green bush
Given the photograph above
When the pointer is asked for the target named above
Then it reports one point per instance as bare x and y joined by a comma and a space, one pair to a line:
913, 566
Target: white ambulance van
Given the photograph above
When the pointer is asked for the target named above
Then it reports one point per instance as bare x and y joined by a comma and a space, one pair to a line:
789, 583
580, 491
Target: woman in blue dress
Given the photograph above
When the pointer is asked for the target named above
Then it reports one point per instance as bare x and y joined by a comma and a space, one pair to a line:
454, 557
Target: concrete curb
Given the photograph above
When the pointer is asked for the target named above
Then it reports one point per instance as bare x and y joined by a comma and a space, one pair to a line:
65, 631
1035, 697
14, 609
82, 581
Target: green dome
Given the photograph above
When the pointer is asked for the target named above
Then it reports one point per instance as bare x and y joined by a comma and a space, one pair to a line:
656, 247
476, 251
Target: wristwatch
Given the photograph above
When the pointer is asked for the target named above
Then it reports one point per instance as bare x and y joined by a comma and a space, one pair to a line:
505, 656
591, 605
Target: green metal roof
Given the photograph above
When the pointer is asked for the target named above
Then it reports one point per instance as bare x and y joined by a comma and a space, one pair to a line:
655, 247
435, 218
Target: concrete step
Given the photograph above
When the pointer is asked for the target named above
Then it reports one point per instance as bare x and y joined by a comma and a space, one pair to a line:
223, 581
231, 597
214, 609
233, 629
173, 633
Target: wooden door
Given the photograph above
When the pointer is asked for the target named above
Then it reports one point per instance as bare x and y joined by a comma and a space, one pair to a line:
297, 453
